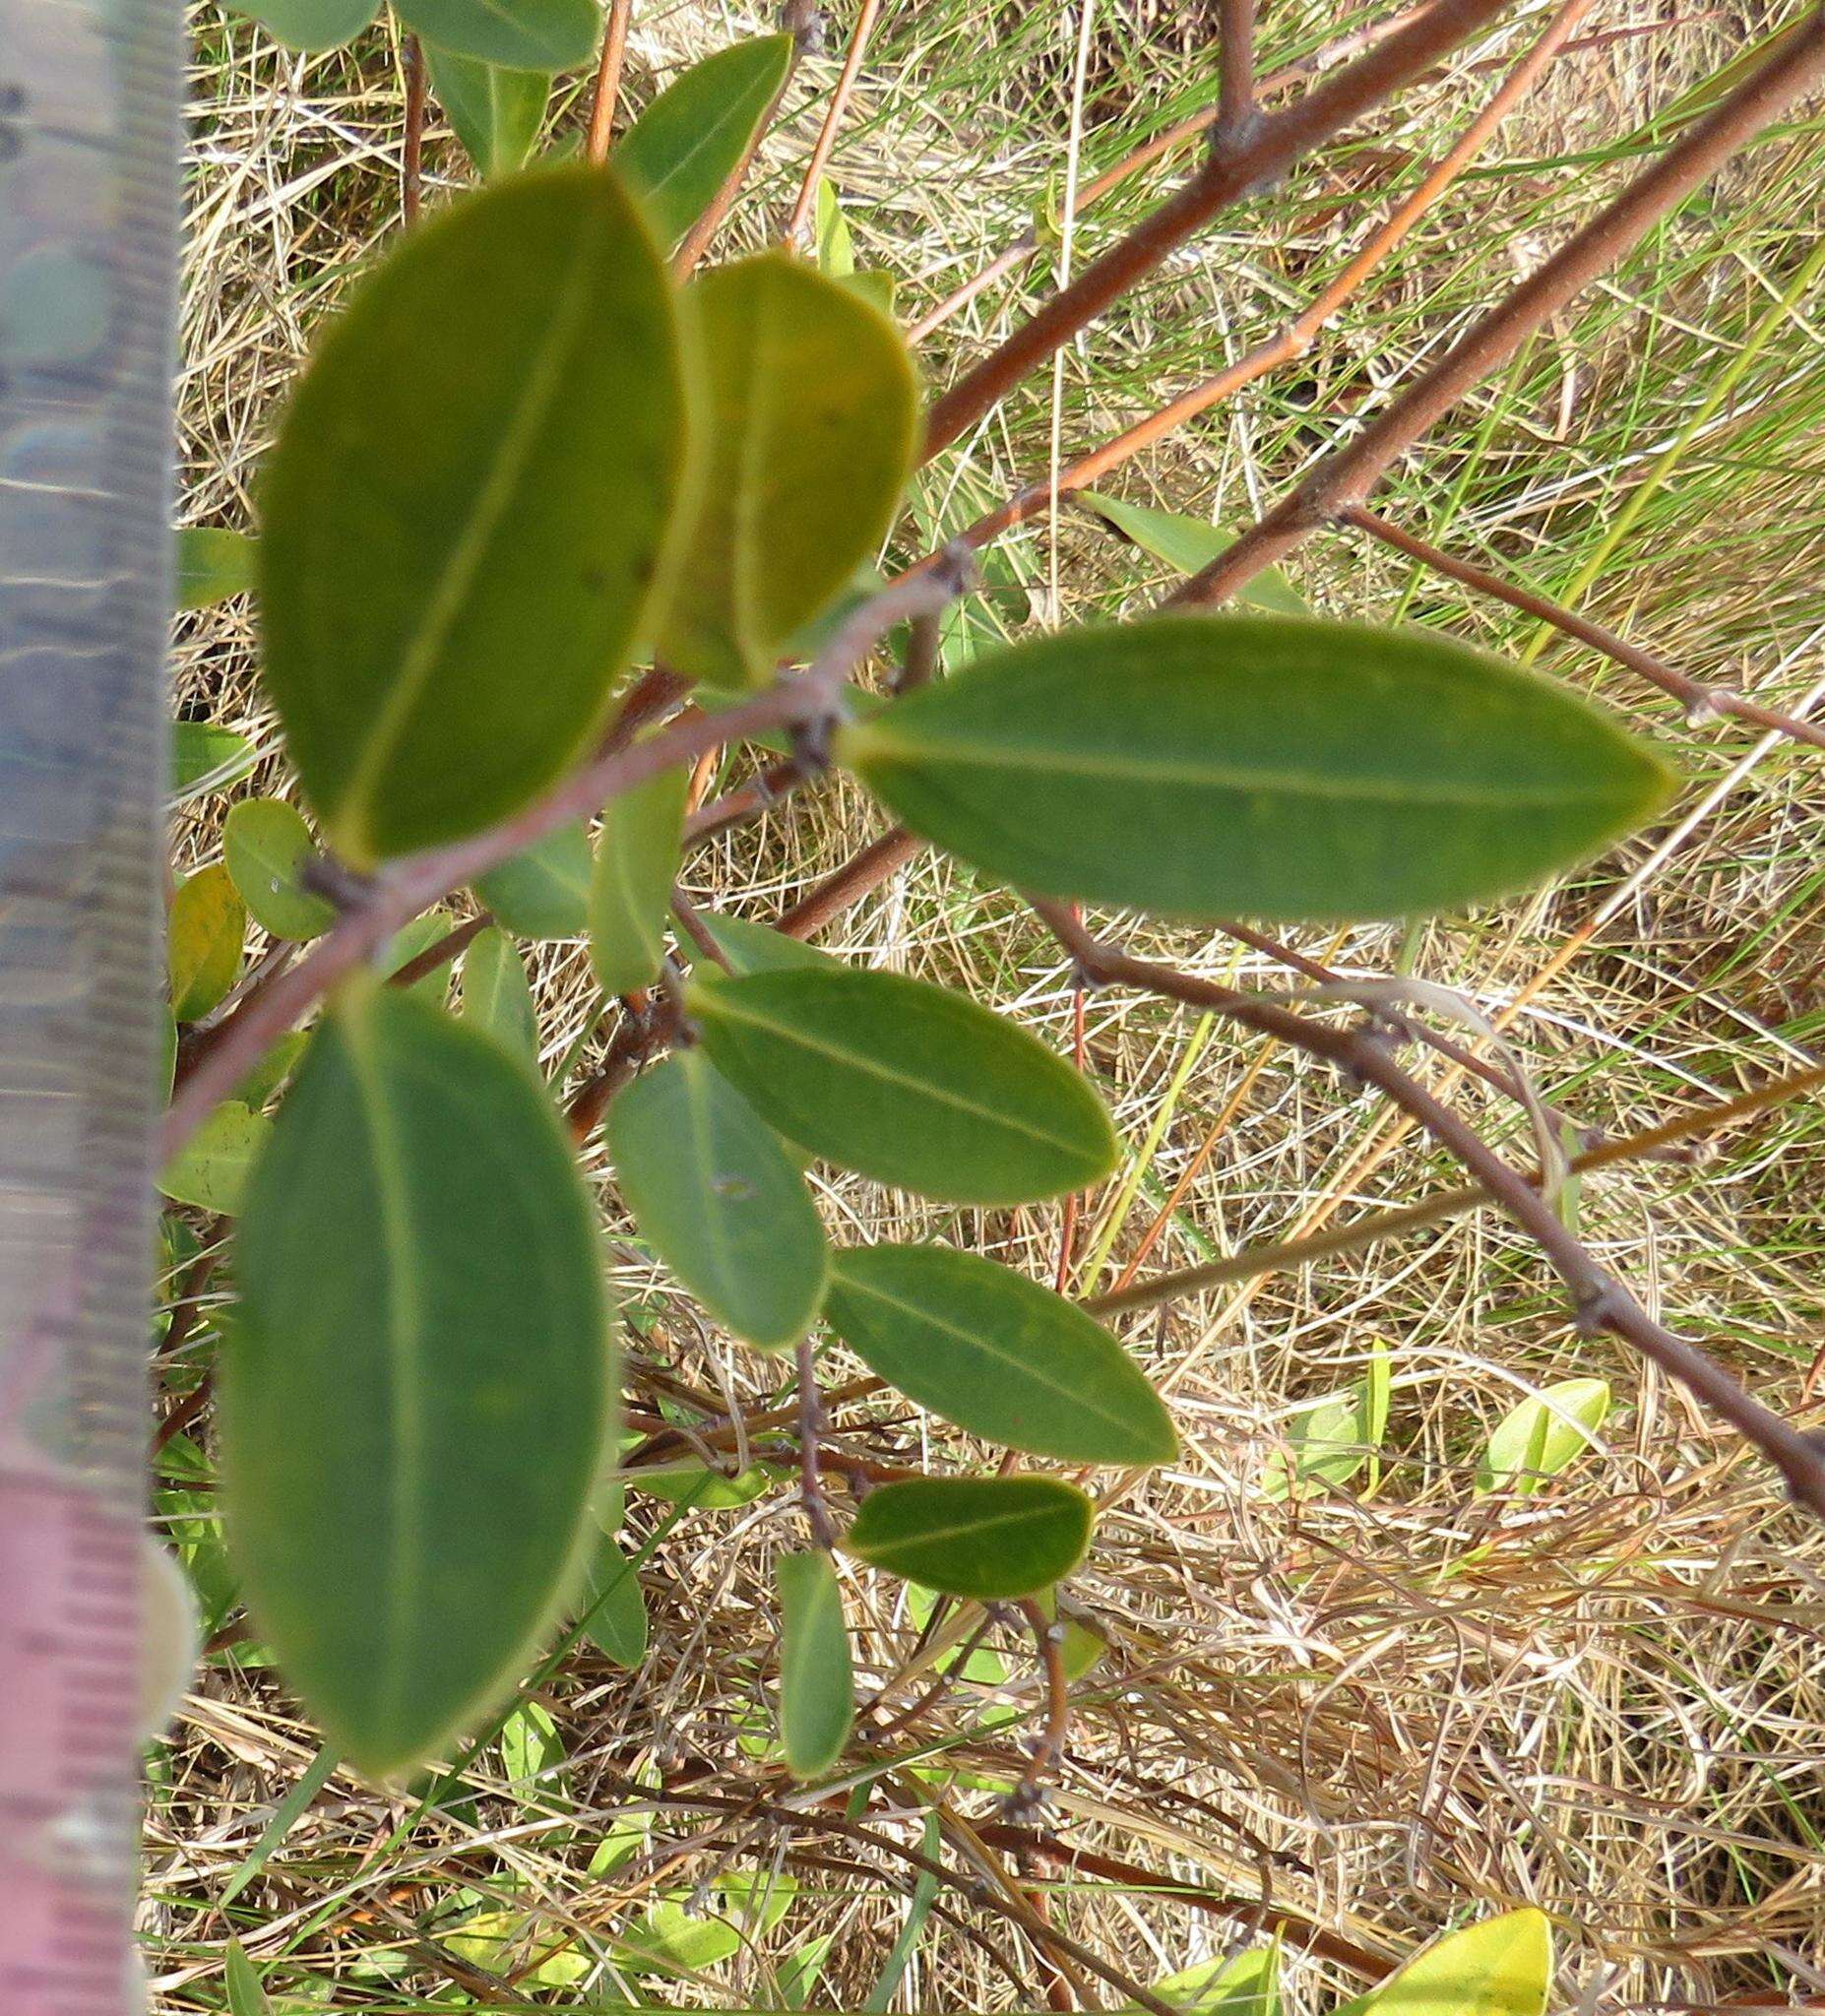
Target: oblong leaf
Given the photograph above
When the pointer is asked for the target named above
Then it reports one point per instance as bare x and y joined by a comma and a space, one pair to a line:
720, 1199
997, 1355
203, 936
808, 425
614, 1605
213, 564
637, 857
1329, 1440
309, 24
266, 846
1186, 544
415, 1408
212, 1168
1502, 1966
544, 892
519, 34
1547, 1430
748, 947
988, 1537
205, 757
467, 510
1200, 766
696, 132
817, 1681
495, 111
906, 1083
495, 993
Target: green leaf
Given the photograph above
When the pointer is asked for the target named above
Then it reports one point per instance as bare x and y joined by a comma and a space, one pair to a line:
1246, 1985
671, 1941
495, 111
309, 24
409, 942
1536, 1439
1502, 1966
637, 859
817, 1683
415, 1408
246, 1997
614, 1605
689, 1482
530, 1745
266, 846
213, 564
984, 1538
1330, 1440
212, 1168
836, 250
696, 132
203, 935
749, 947
544, 892
809, 425
205, 758
719, 1200
518, 34
1202, 766
258, 1087
1187, 543
496, 995
467, 509
876, 287
998, 1355
909, 1084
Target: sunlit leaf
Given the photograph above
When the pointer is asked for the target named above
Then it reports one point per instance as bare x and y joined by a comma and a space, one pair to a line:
495, 993
266, 846
1539, 1438
1502, 1966
495, 112
696, 132
519, 34
203, 936
246, 1997
749, 947
836, 251
468, 508
415, 1406
1243, 1985
1186, 544
213, 564
719, 1199
906, 1083
544, 892
613, 1606
309, 24
1204, 766
531, 1746
809, 421
630, 889
1329, 1441
672, 1942
205, 757
984, 1538
212, 1168
997, 1355
817, 1686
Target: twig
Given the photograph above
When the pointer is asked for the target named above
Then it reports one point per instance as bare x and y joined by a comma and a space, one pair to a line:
1048, 1635
442, 951
1601, 1302
1273, 145
607, 82
811, 1423
1343, 479
1253, 1261
411, 146
1235, 95
1699, 700
833, 119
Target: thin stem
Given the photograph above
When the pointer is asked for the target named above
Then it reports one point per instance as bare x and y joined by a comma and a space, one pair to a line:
1601, 1304
1698, 699
697, 239
1345, 478
411, 146
1235, 99
1253, 1261
607, 82
442, 951
1048, 1635
833, 119
811, 1423
1271, 147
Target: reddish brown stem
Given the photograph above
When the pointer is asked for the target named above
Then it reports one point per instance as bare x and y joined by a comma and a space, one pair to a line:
833, 120
1345, 478
412, 148
1235, 93
607, 82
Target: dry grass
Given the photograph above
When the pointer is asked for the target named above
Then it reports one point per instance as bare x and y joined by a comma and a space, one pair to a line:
1384, 1710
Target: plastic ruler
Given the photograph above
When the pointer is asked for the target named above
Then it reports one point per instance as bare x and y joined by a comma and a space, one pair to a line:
88, 122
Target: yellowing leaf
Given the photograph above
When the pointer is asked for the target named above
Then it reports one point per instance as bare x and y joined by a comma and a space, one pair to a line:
1502, 1966
1547, 1430
809, 425
203, 935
